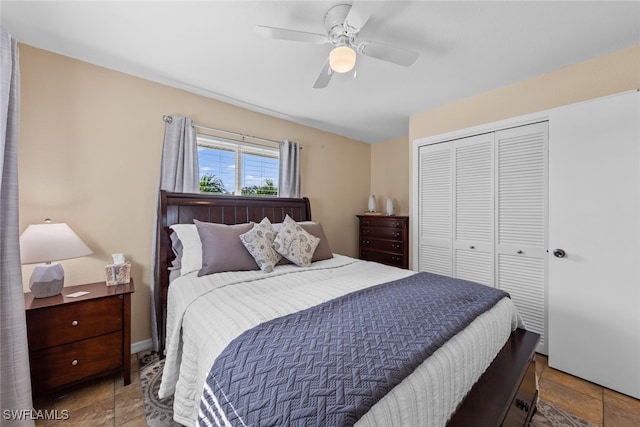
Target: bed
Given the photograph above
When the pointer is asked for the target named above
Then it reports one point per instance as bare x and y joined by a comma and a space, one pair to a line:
483, 375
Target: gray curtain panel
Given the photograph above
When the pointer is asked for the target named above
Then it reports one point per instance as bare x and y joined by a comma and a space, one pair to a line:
178, 173
289, 174
179, 168
15, 386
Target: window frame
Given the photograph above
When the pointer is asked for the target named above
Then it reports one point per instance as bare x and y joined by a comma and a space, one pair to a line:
239, 148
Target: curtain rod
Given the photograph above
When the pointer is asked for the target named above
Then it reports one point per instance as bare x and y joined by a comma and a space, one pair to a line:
169, 119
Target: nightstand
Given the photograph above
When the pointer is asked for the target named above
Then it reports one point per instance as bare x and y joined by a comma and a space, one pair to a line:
75, 339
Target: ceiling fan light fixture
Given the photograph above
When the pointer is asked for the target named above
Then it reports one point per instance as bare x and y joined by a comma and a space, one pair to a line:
342, 59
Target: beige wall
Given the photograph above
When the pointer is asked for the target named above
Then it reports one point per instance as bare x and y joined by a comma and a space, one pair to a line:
89, 155
605, 75
390, 175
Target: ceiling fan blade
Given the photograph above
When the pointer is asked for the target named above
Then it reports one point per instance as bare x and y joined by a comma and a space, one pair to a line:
359, 14
293, 35
324, 77
388, 53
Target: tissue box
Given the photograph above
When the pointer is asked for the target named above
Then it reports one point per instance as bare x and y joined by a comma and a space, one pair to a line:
118, 274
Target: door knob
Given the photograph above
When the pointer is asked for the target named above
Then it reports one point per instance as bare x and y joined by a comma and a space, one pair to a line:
559, 253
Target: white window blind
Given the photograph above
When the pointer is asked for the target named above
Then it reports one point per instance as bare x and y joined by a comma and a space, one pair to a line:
239, 168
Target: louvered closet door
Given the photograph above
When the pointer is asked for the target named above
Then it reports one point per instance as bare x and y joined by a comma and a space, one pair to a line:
521, 222
473, 211
435, 189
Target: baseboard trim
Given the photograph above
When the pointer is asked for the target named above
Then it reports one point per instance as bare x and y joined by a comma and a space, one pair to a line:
139, 346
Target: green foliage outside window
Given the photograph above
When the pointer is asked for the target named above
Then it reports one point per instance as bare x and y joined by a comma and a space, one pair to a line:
211, 184
268, 189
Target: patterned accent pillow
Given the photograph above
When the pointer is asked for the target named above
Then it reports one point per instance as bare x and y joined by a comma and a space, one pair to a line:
295, 244
259, 241
323, 251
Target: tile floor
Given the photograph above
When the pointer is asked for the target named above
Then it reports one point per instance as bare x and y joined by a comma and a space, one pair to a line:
587, 400
106, 402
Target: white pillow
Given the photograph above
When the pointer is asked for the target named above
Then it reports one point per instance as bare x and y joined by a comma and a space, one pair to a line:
294, 243
191, 247
259, 241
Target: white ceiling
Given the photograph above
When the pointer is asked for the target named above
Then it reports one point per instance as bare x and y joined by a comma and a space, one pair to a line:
211, 48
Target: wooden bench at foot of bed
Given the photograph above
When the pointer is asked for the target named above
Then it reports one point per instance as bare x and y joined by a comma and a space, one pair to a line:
506, 394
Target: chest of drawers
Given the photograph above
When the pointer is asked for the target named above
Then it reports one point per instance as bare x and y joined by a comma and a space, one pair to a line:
74, 339
384, 239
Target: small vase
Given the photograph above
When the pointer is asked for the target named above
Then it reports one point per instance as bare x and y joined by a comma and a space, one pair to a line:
389, 206
372, 203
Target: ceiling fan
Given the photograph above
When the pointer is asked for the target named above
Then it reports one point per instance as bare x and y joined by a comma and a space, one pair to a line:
343, 23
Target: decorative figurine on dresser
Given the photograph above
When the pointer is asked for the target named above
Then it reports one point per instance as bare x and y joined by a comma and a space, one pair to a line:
81, 333
384, 238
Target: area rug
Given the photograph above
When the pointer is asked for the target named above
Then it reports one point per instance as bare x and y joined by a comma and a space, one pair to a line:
159, 412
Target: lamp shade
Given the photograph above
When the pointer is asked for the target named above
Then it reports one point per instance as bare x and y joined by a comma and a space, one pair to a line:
50, 242
342, 59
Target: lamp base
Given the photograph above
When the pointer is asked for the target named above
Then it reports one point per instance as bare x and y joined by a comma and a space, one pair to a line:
46, 280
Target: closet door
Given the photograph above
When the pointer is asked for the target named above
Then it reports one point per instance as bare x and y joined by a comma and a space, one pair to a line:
594, 218
473, 209
435, 192
521, 222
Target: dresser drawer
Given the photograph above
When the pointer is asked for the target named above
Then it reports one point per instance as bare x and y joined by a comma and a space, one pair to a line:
68, 363
384, 245
62, 324
381, 221
383, 257
382, 232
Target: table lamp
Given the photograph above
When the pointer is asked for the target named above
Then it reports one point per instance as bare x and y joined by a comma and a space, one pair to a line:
43, 244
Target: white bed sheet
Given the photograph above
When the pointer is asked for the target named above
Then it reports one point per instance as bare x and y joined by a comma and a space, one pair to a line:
206, 313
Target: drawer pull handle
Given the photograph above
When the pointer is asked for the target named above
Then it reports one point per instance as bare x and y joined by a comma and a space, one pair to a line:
75, 362
74, 323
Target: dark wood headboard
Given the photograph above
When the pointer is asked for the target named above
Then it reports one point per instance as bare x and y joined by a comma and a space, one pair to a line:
183, 208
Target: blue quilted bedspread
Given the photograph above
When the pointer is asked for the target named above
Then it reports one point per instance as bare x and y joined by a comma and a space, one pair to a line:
327, 365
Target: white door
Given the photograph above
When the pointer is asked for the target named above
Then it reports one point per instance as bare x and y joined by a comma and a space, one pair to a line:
594, 218
521, 222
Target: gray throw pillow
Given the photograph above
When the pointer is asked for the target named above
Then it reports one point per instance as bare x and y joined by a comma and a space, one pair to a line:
222, 249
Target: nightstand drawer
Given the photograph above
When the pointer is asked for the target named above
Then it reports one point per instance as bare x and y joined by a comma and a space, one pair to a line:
62, 324
69, 363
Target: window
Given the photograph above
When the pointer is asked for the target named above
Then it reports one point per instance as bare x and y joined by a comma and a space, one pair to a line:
231, 167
